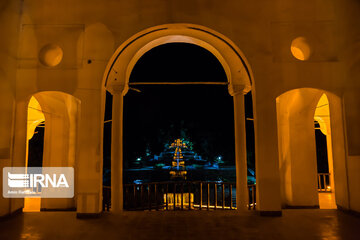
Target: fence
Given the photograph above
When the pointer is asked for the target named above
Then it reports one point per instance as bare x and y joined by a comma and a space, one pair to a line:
324, 182
186, 195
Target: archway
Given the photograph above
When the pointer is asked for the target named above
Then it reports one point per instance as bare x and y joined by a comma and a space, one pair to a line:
34, 147
60, 113
298, 157
116, 81
324, 154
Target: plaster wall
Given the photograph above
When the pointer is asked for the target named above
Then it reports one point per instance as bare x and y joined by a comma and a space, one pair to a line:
9, 22
297, 154
60, 140
354, 180
348, 19
298, 167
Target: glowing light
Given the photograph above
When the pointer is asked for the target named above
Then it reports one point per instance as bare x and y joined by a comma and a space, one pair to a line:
185, 200
32, 205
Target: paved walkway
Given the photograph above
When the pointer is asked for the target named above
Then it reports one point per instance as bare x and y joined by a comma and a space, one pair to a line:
294, 225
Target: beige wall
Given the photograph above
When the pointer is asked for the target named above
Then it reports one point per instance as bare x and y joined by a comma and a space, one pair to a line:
9, 22
347, 20
297, 152
354, 179
60, 140
91, 30
297, 149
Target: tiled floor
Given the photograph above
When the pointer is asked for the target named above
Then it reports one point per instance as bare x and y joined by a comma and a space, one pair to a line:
293, 225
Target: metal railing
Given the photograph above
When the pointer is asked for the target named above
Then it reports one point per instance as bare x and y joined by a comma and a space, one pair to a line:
324, 184
106, 203
189, 195
179, 196
186, 195
252, 196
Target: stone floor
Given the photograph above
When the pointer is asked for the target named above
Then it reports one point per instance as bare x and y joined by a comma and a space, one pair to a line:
293, 225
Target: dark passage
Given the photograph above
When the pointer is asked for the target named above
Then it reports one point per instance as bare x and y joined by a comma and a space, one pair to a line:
36, 147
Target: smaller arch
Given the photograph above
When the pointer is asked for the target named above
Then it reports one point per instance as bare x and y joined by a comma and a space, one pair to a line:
296, 111
60, 111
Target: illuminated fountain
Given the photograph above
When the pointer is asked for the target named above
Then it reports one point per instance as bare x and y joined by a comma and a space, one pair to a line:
178, 169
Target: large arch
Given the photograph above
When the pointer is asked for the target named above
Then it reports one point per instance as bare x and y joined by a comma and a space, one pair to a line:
236, 66
116, 81
297, 152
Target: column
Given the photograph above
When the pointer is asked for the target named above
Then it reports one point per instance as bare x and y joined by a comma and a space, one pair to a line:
242, 195
117, 152
268, 197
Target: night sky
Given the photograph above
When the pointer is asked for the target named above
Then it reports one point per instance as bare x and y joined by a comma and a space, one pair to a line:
178, 62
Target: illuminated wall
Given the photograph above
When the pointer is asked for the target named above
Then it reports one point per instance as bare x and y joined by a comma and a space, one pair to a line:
297, 150
296, 111
60, 112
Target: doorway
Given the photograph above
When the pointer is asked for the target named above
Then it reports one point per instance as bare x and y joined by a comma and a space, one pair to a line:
51, 141
309, 155
34, 147
324, 154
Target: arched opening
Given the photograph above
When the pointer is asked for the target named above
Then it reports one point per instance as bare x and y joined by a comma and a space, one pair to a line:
34, 147
311, 163
119, 70
324, 153
178, 132
178, 112
52, 126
